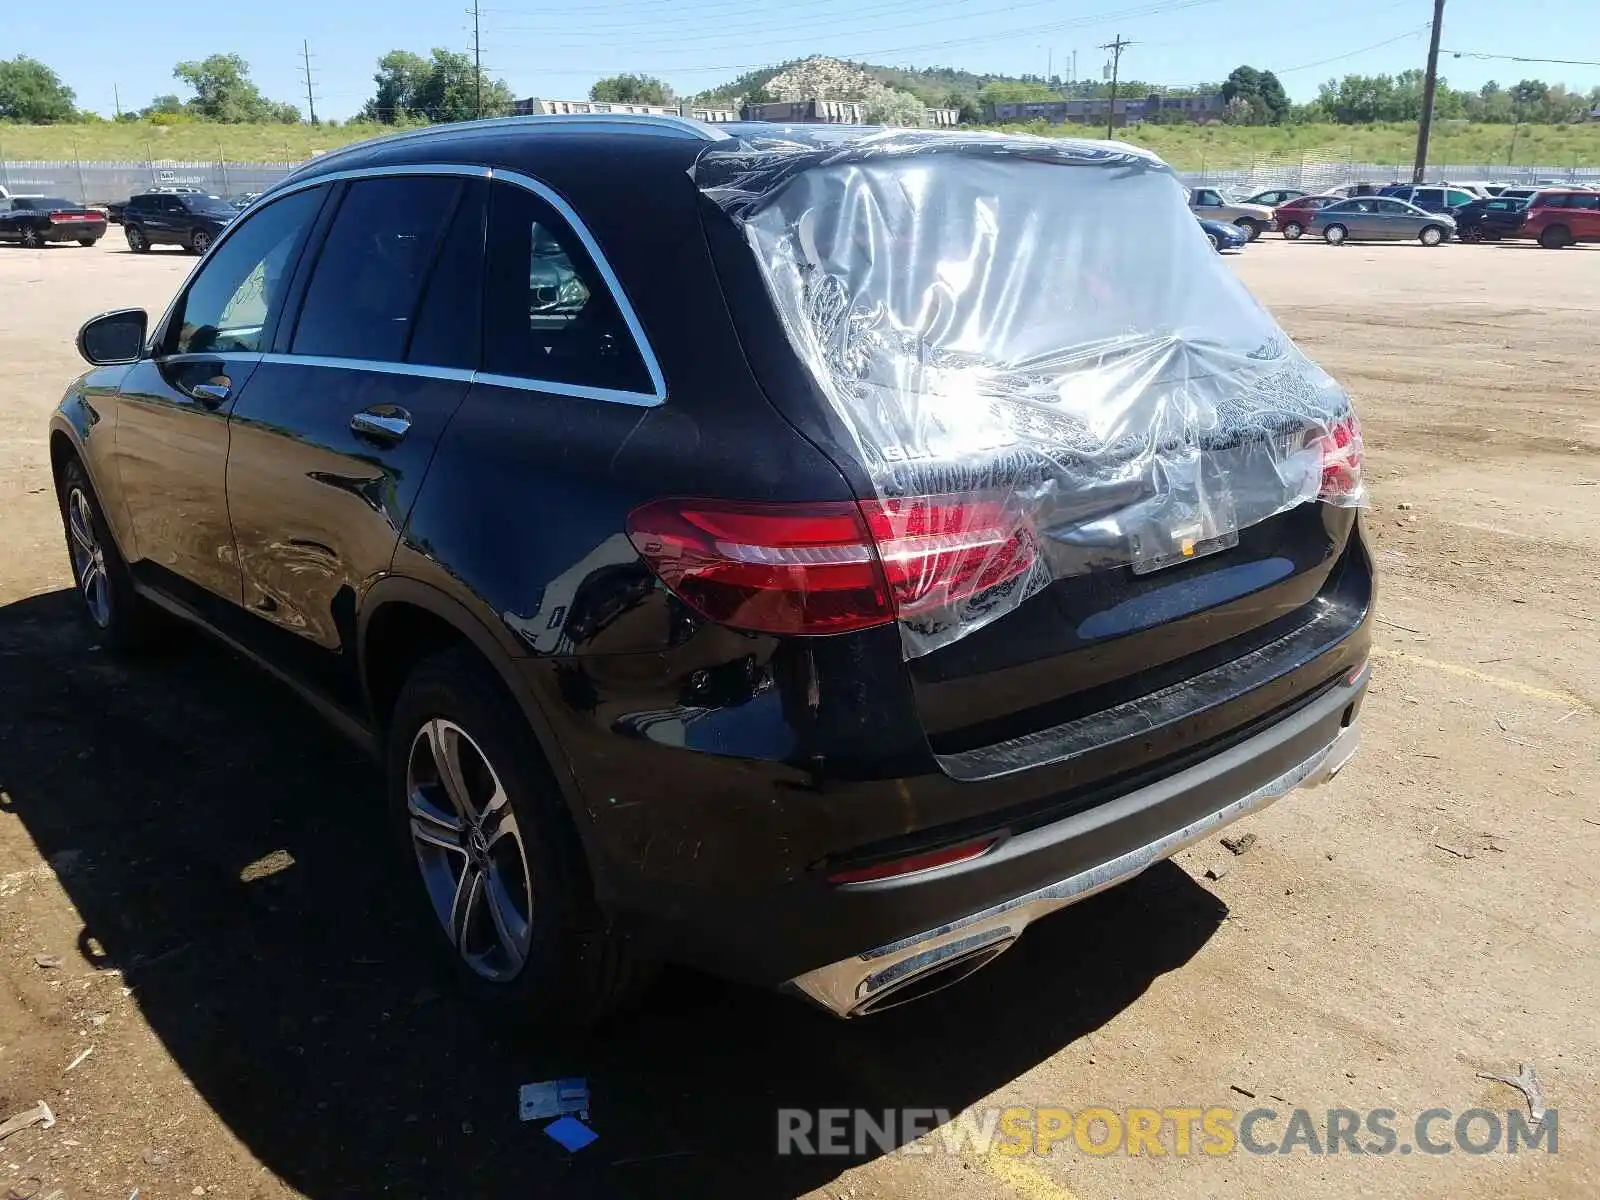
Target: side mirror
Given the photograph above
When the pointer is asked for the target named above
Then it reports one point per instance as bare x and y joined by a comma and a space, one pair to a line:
113, 337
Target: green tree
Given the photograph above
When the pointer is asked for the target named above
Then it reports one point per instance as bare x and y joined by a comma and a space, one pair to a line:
223, 91
443, 87
1265, 101
632, 89
169, 105
400, 77
890, 107
32, 93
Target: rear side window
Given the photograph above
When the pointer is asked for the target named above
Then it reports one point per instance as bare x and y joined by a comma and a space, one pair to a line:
1549, 201
550, 316
1427, 196
1457, 199
1590, 202
238, 292
369, 275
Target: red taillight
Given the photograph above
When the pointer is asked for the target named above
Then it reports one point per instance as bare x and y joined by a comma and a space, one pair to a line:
1341, 460
915, 864
832, 566
58, 217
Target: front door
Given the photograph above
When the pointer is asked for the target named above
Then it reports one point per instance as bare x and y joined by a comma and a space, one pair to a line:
332, 438
171, 437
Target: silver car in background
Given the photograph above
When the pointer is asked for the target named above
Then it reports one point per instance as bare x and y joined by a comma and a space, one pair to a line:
1380, 219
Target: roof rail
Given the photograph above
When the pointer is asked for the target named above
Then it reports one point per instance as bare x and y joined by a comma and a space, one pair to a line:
665, 126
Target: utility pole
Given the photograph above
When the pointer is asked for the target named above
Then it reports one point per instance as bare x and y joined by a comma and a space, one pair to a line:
477, 63
311, 100
116, 99
1429, 83
1116, 48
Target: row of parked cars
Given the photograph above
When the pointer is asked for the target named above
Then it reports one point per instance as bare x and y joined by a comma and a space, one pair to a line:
171, 215
1555, 216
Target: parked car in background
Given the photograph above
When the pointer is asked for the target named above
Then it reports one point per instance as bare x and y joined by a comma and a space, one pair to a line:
114, 208
1293, 216
1217, 205
188, 219
1489, 220
1355, 189
245, 199
1430, 197
1380, 219
1560, 217
1477, 188
1224, 235
606, 577
35, 220
1275, 196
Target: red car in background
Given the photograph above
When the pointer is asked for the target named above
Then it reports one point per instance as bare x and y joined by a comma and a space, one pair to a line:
1294, 215
1560, 217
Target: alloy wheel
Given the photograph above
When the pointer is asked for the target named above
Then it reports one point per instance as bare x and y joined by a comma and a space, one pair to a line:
31, 239
470, 851
201, 241
88, 558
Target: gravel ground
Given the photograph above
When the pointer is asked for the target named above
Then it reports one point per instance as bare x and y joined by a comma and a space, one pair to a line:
191, 886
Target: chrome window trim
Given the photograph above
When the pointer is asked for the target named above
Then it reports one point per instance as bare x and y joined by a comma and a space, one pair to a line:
658, 393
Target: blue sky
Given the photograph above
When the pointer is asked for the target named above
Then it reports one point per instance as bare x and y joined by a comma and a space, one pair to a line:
556, 50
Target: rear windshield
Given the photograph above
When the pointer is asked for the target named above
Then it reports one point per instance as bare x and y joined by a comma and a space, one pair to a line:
43, 203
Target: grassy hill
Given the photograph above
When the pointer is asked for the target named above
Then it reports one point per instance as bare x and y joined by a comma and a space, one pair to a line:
1185, 147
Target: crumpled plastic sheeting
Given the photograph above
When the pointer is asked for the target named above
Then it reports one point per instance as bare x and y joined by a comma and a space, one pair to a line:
1041, 323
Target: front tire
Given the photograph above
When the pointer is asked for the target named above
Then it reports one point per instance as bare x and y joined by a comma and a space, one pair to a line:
1216, 242
504, 887
1293, 230
107, 599
199, 242
1252, 229
1431, 235
1335, 235
137, 242
1555, 237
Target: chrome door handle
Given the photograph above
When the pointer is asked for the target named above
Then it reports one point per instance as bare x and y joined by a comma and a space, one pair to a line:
211, 394
386, 423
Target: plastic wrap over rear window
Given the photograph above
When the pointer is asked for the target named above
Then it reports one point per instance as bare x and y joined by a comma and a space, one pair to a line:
1039, 326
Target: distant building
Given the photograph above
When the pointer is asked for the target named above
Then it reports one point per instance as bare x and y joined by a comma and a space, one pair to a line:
941, 118
1094, 109
535, 107
808, 112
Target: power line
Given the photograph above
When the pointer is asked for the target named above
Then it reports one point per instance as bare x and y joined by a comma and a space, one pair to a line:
305, 57
1322, 62
1556, 62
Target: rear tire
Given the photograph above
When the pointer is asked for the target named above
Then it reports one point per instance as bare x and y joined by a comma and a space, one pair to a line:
1293, 230
137, 242
1335, 235
1555, 237
115, 612
87, 241
505, 893
199, 242
31, 239
1252, 229
1431, 235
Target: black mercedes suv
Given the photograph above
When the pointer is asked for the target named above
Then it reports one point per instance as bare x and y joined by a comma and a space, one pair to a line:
810, 554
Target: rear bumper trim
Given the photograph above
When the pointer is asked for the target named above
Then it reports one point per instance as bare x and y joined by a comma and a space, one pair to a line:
867, 981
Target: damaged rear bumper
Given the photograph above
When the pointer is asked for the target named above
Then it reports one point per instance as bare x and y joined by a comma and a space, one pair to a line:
1121, 838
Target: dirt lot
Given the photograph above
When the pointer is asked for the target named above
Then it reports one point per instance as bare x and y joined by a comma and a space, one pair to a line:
203, 860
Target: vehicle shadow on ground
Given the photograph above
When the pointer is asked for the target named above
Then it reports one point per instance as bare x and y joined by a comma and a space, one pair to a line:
226, 852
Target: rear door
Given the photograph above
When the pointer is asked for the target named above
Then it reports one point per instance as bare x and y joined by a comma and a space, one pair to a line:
1583, 211
332, 438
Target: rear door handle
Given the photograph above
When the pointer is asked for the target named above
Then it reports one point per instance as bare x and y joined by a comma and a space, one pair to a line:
383, 423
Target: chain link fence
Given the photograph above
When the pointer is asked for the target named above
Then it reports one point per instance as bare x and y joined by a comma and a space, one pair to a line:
1313, 171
